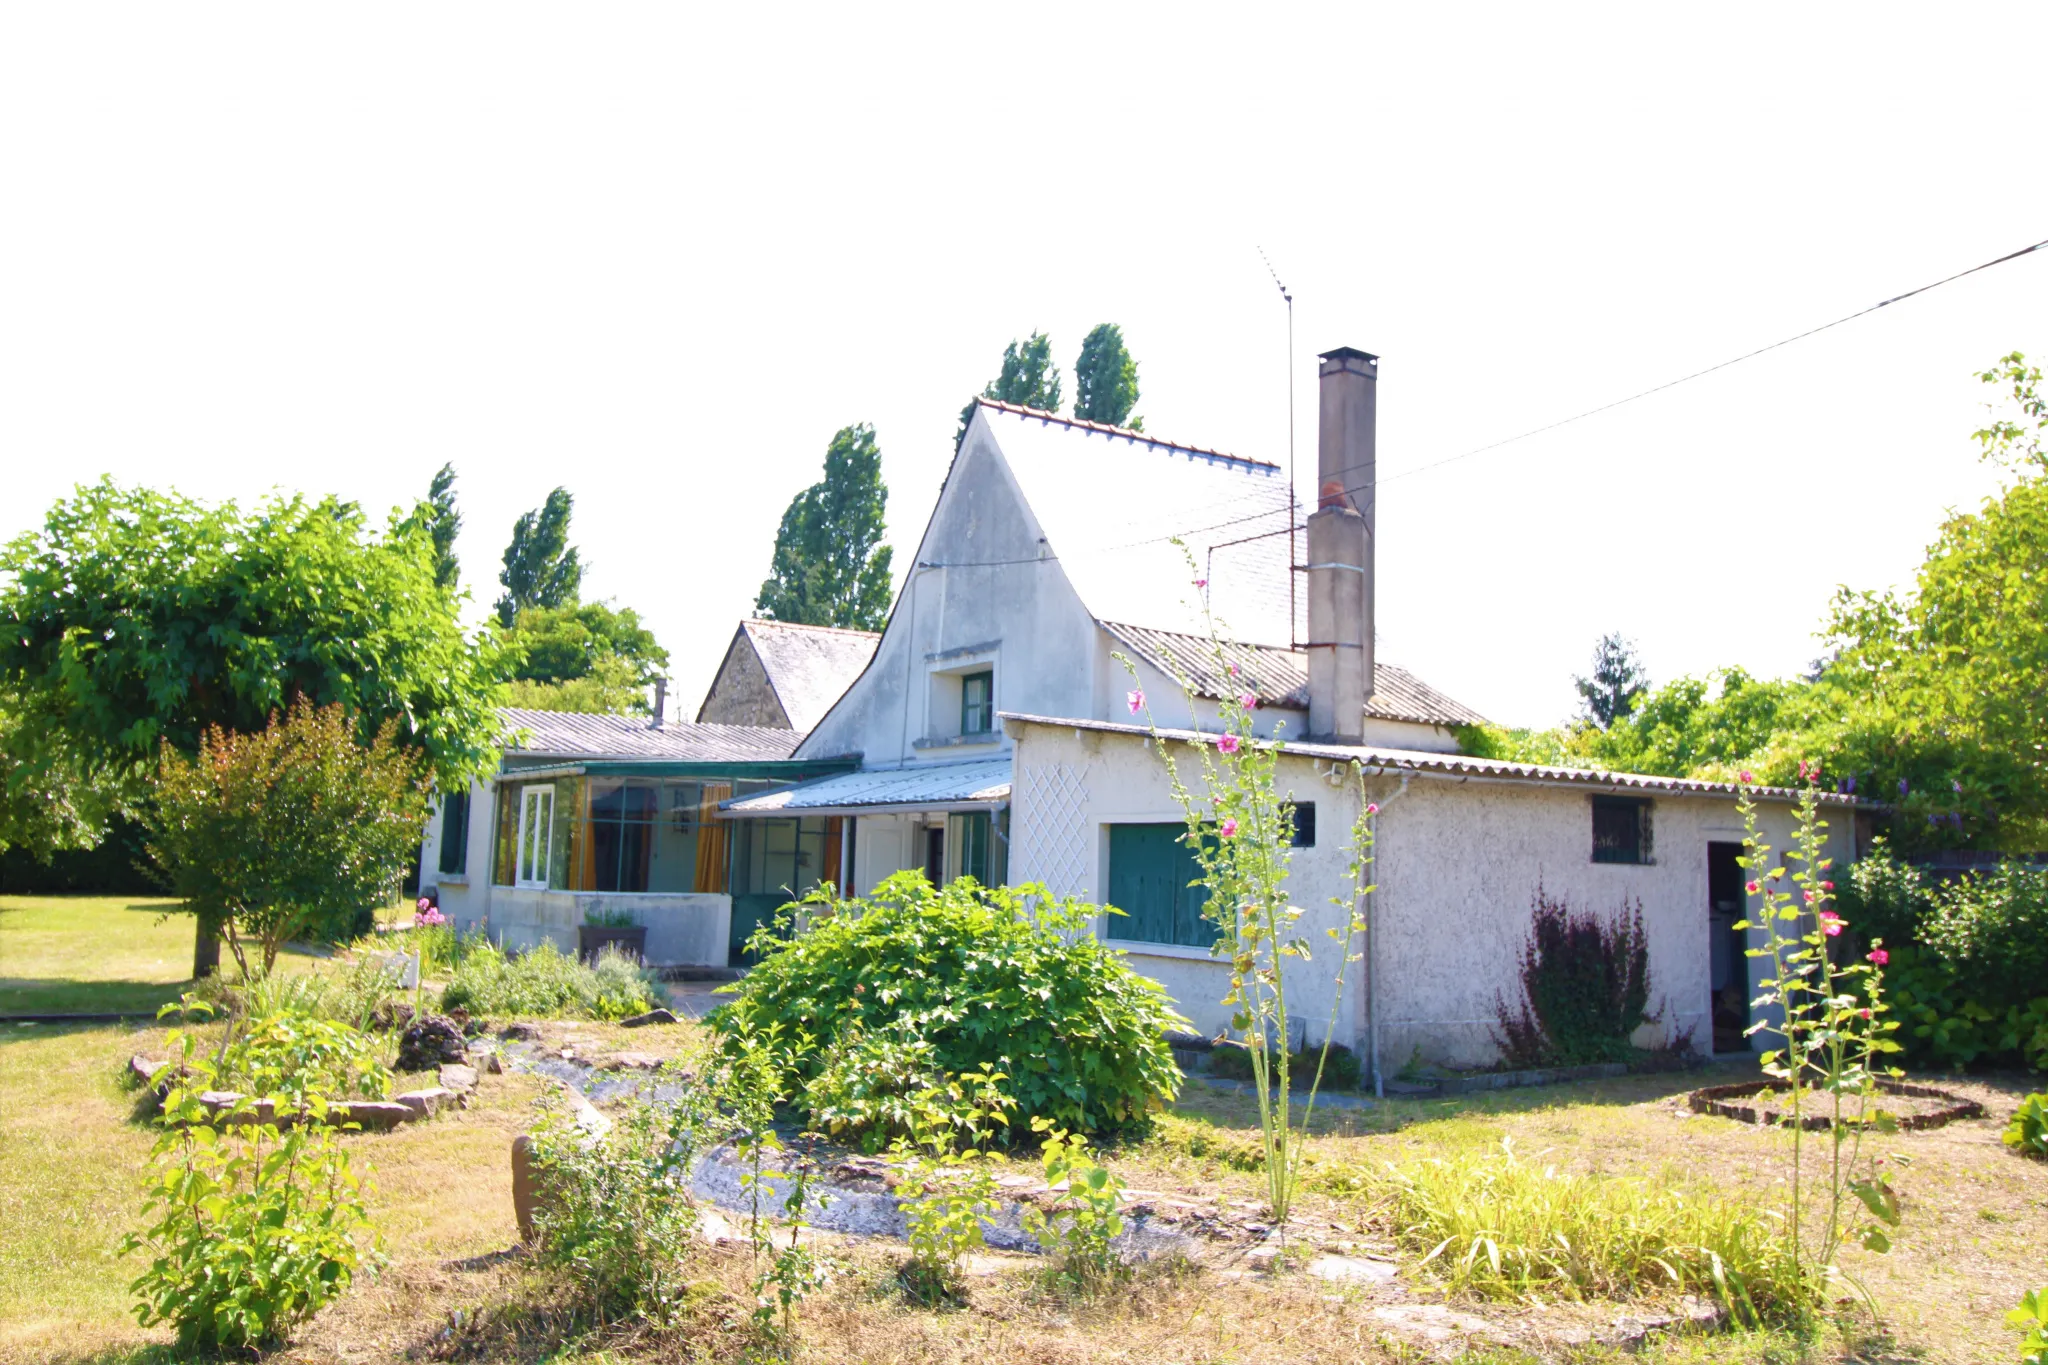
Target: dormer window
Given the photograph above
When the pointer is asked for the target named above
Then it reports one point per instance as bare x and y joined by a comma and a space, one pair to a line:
977, 703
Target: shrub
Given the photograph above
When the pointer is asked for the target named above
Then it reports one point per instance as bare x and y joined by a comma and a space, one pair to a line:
615, 1216
1083, 1222
1495, 1225
1585, 987
2027, 1134
998, 977
945, 1186
292, 1055
256, 1228
288, 832
349, 996
2031, 1317
545, 982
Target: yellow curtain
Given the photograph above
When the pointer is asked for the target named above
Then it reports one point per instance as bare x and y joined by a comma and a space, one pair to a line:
711, 837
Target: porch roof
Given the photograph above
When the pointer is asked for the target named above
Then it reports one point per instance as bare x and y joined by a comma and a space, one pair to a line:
977, 784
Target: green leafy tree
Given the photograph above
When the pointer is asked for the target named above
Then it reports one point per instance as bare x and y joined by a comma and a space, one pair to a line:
1028, 378
293, 831
1617, 682
134, 618
561, 644
444, 523
542, 569
830, 566
612, 687
1106, 379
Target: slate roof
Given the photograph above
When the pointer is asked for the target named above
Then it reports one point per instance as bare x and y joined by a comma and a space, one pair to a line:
1457, 765
931, 786
568, 734
1279, 677
810, 667
1110, 502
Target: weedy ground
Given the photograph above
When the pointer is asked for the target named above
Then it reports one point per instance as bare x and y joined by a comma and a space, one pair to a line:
73, 1139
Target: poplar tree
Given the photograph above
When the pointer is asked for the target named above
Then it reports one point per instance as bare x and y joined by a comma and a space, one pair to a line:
830, 566
443, 525
1028, 378
1106, 379
541, 566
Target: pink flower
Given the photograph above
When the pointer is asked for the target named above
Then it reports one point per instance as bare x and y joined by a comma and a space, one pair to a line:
1226, 744
1864, 1013
1249, 701
1201, 582
1809, 898
1827, 886
1136, 699
1229, 828
1754, 887
1372, 808
424, 904
1880, 956
1231, 669
1830, 923
1745, 776
430, 916
1808, 772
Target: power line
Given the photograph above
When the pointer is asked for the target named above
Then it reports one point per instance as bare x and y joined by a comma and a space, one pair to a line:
1659, 388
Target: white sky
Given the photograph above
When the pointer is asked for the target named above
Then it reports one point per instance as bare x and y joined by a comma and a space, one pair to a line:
658, 254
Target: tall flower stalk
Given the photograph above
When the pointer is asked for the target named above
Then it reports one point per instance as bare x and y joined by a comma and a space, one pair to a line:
1240, 830
1832, 1018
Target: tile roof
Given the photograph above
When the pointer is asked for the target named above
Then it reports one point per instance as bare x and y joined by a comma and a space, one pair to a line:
981, 781
810, 667
1279, 677
569, 734
1111, 502
1458, 765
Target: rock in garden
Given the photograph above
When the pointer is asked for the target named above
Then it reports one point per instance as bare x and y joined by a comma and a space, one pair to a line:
458, 1078
632, 1061
529, 1033
373, 1116
426, 1103
523, 1185
392, 1014
1351, 1270
431, 1041
653, 1016
494, 1064
144, 1070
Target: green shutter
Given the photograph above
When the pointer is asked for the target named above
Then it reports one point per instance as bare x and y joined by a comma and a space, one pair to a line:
1150, 876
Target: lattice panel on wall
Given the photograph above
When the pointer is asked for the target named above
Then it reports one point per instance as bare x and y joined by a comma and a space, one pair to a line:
1052, 837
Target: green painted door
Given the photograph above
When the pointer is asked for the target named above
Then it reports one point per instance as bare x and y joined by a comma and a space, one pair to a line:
1150, 874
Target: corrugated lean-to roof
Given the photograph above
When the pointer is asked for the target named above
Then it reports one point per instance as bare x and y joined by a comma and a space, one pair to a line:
567, 734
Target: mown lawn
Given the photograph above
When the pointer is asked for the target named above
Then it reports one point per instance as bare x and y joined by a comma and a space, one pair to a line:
91, 954
72, 1146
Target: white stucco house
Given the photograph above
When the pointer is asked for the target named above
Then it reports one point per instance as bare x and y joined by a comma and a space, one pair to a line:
994, 738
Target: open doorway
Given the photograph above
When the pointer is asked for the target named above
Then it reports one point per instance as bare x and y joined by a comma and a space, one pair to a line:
935, 855
1728, 945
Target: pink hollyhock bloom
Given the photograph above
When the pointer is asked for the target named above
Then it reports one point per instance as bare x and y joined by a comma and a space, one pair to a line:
1754, 887
1827, 886
1229, 827
1249, 701
1830, 923
1809, 898
1880, 956
1226, 743
1231, 669
1745, 776
1372, 808
1201, 582
1864, 1012
1136, 700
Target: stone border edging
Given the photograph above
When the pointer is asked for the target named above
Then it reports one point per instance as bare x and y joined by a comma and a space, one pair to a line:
1718, 1100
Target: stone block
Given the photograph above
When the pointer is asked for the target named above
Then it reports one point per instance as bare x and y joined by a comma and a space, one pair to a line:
632, 1061
524, 1184
458, 1078
426, 1103
653, 1016
524, 1032
374, 1116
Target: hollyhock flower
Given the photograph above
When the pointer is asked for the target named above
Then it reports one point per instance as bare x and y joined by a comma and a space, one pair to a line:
1249, 701
1808, 771
1228, 828
1830, 923
1226, 744
1880, 956
1136, 699
1231, 669
1865, 1013
1754, 887
1809, 898
1827, 886
1201, 582
1745, 776
1372, 808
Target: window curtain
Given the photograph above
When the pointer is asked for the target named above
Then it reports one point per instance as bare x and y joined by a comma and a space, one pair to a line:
711, 837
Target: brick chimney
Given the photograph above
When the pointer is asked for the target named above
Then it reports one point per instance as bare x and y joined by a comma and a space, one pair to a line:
660, 704
1340, 544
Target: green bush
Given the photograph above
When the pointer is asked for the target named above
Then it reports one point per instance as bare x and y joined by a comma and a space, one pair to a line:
615, 1214
547, 983
256, 1228
348, 996
291, 1055
1968, 975
2027, 1134
1002, 977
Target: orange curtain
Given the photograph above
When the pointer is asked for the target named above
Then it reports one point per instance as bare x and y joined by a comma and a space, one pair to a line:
832, 839
711, 837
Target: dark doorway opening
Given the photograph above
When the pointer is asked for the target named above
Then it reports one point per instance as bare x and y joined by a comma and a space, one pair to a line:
935, 854
1728, 945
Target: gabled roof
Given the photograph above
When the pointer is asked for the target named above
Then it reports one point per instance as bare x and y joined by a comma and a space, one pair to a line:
1279, 677
1111, 502
1381, 760
810, 667
568, 734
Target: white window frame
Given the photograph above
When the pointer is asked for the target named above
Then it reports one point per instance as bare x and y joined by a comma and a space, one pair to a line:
533, 858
